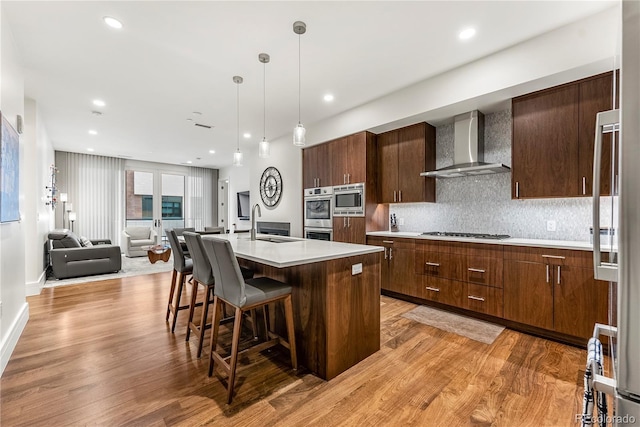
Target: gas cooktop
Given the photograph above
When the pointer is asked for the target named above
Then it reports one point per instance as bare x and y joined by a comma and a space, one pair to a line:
469, 235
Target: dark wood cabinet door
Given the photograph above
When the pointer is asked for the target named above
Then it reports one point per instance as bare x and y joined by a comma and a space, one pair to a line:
388, 167
323, 169
339, 161
309, 167
444, 291
357, 230
579, 301
483, 299
411, 161
545, 144
357, 155
528, 297
402, 278
340, 230
596, 95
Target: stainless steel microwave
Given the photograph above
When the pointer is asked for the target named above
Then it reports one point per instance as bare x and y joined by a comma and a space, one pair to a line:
348, 200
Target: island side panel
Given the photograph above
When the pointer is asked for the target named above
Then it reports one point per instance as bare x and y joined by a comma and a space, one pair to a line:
309, 295
353, 311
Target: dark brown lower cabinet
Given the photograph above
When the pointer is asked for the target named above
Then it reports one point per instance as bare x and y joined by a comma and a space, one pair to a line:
483, 299
444, 291
350, 230
528, 297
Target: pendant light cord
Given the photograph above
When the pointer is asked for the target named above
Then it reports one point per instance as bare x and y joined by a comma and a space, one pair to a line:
264, 101
299, 80
238, 115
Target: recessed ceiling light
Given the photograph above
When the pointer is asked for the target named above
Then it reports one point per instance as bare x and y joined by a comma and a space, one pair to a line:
212, 151
99, 103
467, 33
189, 161
328, 97
90, 150
112, 22
247, 135
189, 120
93, 132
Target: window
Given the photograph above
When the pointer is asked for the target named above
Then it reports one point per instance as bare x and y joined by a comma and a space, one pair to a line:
172, 207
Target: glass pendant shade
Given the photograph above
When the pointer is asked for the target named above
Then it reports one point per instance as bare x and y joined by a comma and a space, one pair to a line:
237, 158
298, 135
264, 150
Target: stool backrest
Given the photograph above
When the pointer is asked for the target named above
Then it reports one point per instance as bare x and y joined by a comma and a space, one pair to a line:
201, 265
180, 231
229, 282
179, 263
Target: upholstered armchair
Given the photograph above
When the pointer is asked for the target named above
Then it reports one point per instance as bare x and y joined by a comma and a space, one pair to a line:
135, 240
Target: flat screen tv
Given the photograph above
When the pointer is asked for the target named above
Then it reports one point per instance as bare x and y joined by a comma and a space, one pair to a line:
243, 205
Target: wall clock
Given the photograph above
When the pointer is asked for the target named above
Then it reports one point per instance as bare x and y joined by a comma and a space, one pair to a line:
271, 187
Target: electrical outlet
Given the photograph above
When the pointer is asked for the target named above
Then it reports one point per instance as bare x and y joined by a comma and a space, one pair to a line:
551, 225
356, 269
400, 221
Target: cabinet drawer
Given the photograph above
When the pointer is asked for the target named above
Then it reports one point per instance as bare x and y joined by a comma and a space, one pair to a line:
484, 299
444, 291
391, 242
549, 255
485, 250
438, 264
484, 271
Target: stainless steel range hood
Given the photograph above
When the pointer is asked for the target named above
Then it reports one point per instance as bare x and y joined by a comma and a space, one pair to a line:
468, 150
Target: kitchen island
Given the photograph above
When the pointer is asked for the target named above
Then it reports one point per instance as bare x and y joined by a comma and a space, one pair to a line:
336, 295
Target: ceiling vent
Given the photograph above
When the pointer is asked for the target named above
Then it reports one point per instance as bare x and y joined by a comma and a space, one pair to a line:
202, 126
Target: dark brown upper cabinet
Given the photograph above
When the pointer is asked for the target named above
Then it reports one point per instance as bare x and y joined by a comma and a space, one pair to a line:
402, 155
553, 134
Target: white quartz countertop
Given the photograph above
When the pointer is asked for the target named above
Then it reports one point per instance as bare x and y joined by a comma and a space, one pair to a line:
294, 251
512, 241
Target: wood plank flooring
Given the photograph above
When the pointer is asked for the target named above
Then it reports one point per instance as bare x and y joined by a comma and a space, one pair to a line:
101, 354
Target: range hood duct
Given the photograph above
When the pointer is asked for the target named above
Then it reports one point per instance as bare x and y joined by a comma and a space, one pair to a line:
468, 150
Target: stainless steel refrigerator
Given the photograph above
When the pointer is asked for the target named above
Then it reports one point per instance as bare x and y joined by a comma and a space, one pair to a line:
618, 259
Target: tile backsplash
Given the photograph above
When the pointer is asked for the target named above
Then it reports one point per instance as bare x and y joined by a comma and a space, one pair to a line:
483, 204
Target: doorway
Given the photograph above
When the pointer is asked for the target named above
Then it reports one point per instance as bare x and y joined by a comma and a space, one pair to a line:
154, 199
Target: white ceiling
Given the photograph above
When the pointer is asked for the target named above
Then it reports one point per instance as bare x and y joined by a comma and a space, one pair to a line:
176, 57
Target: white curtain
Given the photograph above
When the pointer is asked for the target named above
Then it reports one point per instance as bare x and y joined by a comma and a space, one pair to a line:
201, 198
95, 188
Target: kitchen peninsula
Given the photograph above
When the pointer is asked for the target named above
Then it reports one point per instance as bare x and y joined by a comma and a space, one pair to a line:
336, 295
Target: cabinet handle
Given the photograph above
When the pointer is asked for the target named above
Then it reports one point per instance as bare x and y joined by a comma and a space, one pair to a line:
344, 178
400, 195
429, 288
388, 241
584, 185
394, 195
553, 256
390, 253
385, 253
348, 222
547, 273
475, 298
558, 280
476, 270
348, 178
432, 264
517, 190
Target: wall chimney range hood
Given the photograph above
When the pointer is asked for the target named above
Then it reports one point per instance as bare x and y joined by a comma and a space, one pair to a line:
468, 150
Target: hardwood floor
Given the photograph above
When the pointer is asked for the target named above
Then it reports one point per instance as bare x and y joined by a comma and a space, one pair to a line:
102, 354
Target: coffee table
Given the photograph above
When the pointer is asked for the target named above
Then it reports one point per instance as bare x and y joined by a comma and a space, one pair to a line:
158, 252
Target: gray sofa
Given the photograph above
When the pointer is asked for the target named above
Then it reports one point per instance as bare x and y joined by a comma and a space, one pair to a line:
136, 240
70, 259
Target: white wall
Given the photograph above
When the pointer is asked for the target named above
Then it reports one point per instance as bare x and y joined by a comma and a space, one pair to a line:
15, 311
38, 217
240, 180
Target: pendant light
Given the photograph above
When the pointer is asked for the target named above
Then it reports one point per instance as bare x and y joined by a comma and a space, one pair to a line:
263, 149
299, 28
237, 156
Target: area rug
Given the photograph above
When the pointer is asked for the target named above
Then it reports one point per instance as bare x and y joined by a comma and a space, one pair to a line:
474, 329
130, 267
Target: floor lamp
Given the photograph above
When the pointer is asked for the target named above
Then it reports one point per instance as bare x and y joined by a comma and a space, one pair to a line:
69, 208
63, 199
72, 218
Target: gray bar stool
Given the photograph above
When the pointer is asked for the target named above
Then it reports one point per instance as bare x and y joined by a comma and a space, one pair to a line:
182, 267
203, 276
243, 295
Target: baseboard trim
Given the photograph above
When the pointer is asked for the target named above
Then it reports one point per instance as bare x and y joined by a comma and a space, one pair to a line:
34, 288
13, 334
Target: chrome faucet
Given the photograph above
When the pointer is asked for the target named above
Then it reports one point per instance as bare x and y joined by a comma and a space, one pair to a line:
253, 220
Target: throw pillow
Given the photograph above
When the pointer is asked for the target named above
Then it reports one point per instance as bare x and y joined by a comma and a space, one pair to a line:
85, 242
